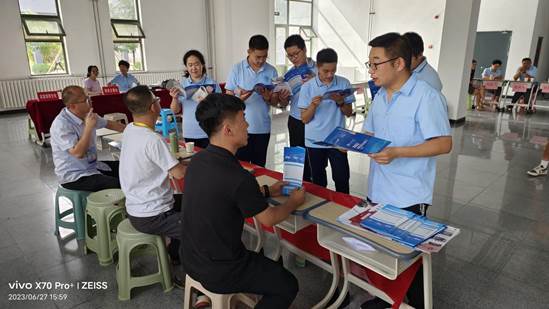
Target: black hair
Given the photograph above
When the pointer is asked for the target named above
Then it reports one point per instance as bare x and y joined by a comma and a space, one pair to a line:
258, 42
197, 54
326, 55
90, 68
497, 61
294, 40
138, 99
474, 61
395, 45
124, 63
215, 108
416, 43
526, 59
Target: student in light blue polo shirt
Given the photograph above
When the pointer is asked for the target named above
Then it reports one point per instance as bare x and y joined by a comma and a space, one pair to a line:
125, 81
413, 116
73, 145
241, 81
525, 73
297, 54
420, 68
494, 72
322, 116
195, 75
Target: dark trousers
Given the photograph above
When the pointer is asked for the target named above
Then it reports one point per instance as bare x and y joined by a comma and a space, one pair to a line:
167, 224
198, 142
319, 157
517, 95
97, 182
256, 149
265, 277
296, 129
415, 291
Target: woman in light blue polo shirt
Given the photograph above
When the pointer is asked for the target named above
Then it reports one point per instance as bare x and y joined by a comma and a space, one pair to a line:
321, 116
195, 76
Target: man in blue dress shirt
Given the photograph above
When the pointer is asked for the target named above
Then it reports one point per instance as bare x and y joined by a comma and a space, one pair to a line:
321, 116
413, 116
525, 73
241, 82
125, 81
423, 70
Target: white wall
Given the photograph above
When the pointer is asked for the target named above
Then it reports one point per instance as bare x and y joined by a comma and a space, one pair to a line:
541, 28
235, 22
13, 62
412, 15
515, 16
171, 27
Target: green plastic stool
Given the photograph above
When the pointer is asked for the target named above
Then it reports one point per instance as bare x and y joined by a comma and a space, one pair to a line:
78, 201
128, 239
104, 211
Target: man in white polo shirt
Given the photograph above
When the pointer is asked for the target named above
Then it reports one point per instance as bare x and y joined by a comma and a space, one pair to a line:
145, 166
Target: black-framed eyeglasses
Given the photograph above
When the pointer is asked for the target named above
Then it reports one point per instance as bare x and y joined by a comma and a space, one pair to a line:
294, 55
370, 65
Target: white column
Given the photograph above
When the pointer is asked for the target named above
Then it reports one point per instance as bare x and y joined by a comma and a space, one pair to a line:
456, 53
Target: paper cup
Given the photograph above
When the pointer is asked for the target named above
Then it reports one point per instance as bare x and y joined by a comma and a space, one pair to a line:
189, 147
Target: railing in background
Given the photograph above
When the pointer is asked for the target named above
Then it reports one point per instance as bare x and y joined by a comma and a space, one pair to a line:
14, 94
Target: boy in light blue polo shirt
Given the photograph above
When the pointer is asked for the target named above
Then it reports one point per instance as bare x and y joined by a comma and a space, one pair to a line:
125, 81
195, 76
297, 54
321, 116
413, 116
420, 67
241, 81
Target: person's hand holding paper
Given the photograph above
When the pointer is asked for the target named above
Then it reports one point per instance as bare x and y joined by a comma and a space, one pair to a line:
385, 156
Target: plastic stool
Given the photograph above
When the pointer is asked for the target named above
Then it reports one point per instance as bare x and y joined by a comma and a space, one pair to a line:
116, 117
219, 301
78, 201
104, 210
166, 125
129, 238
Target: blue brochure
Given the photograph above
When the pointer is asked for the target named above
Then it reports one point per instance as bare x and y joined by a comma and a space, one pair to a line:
342, 92
353, 141
295, 77
402, 226
260, 86
191, 89
294, 163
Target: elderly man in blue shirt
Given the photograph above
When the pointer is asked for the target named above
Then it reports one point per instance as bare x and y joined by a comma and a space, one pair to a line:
413, 116
73, 145
125, 81
525, 73
420, 68
241, 81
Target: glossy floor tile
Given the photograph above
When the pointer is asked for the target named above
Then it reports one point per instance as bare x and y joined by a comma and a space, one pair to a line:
499, 260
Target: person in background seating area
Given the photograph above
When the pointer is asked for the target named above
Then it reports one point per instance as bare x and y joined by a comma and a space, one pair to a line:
124, 80
91, 84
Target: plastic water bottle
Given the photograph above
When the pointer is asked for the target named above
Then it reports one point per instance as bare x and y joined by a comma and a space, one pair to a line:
173, 143
300, 261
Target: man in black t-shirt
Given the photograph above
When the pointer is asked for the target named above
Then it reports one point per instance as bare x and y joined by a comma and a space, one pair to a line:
219, 195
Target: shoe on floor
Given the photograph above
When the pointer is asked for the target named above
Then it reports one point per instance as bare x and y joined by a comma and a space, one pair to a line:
538, 171
202, 301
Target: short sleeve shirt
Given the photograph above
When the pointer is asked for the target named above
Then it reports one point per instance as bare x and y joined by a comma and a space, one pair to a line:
66, 130
415, 114
219, 195
92, 86
328, 115
424, 71
191, 129
242, 76
125, 83
145, 160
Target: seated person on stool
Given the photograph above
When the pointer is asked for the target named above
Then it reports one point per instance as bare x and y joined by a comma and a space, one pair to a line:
145, 166
525, 73
494, 72
73, 145
414, 117
219, 195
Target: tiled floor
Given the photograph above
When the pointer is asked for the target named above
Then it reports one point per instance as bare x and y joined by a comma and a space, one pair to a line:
500, 260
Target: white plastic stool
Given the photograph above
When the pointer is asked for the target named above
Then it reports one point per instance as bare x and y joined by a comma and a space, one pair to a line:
219, 301
116, 117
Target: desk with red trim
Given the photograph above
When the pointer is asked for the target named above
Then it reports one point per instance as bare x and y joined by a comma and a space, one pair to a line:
42, 113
